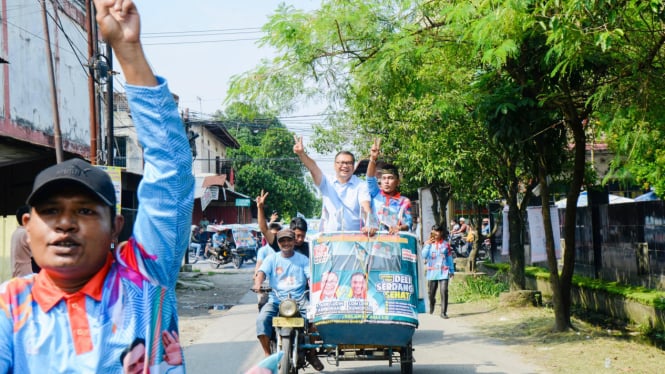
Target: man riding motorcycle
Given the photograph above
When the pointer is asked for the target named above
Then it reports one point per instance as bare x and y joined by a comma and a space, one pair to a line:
288, 273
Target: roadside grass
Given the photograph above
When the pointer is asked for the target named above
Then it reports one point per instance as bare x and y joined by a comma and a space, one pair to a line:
595, 344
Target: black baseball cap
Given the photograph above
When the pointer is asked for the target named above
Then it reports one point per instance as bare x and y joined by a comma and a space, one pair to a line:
74, 171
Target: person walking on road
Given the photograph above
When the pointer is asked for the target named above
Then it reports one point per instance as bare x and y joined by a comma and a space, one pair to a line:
440, 268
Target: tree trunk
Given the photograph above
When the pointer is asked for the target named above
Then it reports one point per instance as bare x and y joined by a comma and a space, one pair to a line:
516, 277
561, 322
440, 197
562, 310
471, 263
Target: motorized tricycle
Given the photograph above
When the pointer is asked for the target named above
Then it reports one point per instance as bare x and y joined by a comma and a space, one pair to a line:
239, 246
364, 302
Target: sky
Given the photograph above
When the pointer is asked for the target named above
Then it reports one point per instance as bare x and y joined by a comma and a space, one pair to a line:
198, 45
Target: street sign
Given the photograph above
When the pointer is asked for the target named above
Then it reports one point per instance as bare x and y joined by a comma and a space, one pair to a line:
243, 202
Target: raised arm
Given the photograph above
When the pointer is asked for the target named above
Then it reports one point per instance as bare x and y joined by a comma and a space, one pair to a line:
261, 217
166, 191
373, 156
120, 26
310, 164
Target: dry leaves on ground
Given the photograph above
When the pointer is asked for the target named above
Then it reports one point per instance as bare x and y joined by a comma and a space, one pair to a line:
589, 349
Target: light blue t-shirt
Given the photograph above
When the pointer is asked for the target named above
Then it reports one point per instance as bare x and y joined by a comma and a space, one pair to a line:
218, 239
264, 252
286, 276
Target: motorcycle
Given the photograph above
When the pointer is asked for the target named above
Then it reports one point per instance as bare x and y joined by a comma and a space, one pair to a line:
290, 334
458, 246
485, 250
239, 246
220, 256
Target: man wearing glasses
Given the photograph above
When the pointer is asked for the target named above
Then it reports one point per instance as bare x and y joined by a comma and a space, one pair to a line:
346, 200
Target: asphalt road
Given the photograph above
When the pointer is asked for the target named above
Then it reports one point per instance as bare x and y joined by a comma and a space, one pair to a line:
228, 343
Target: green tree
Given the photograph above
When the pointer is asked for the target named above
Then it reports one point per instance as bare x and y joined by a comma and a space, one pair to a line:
452, 86
265, 161
402, 76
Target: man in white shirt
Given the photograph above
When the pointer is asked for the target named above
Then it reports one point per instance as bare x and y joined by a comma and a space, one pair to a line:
346, 200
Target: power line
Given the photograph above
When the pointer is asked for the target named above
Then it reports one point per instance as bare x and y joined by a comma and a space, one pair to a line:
203, 41
198, 35
221, 31
58, 24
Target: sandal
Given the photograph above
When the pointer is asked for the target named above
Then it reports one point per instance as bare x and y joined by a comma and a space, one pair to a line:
314, 361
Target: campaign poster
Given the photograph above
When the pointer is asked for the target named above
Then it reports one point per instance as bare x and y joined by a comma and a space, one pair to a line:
361, 279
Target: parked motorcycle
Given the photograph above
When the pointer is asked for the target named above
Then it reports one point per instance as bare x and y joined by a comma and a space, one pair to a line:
458, 246
484, 250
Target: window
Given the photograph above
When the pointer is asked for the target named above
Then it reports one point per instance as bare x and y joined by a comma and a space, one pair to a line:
120, 152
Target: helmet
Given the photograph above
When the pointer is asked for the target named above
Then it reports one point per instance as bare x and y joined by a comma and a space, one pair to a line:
462, 219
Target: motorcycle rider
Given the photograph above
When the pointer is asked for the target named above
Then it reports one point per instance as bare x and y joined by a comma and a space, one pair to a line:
462, 229
288, 274
461, 232
218, 240
485, 228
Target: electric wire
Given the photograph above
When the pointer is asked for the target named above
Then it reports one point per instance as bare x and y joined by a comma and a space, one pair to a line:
58, 23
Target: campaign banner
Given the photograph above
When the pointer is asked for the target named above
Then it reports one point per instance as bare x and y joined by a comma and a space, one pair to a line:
361, 279
115, 172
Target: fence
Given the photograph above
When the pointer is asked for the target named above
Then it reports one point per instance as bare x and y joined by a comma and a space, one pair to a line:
621, 242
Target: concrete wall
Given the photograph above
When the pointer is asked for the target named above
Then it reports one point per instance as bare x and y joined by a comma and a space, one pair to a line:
208, 147
7, 226
25, 92
607, 304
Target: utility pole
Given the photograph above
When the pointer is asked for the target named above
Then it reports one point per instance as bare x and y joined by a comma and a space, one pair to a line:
91, 84
57, 136
109, 107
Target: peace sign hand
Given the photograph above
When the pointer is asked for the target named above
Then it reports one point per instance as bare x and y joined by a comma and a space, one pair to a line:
375, 149
261, 199
298, 148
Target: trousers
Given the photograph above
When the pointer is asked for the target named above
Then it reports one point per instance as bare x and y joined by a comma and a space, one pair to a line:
442, 286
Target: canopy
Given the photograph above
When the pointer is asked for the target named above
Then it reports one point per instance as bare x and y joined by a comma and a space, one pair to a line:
649, 196
583, 201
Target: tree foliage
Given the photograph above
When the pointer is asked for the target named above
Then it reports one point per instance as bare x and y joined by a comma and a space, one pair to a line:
481, 98
265, 161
